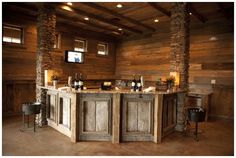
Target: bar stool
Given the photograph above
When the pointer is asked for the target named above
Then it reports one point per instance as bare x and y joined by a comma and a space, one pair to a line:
30, 108
195, 114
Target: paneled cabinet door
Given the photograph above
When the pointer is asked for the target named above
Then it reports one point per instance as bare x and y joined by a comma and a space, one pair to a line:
95, 119
52, 106
137, 119
169, 113
65, 110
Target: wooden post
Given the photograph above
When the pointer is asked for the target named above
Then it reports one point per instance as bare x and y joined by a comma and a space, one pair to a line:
116, 118
179, 55
158, 118
74, 117
46, 25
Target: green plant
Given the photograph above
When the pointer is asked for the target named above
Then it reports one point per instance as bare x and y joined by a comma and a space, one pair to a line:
170, 79
54, 77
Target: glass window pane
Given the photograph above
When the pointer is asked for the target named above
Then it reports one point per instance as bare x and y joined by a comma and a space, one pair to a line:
80, 45
12, 34
102, 49
7, 39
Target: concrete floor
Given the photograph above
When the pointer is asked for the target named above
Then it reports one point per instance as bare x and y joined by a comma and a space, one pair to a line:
216, 138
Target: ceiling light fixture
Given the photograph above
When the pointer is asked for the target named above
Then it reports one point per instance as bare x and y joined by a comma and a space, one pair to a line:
156, 20
190, 13
69, 3
67, 8
120, 29
114, 32
86, 18
119, 5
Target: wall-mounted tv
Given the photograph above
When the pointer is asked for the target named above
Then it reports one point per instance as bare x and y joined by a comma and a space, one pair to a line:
74, 56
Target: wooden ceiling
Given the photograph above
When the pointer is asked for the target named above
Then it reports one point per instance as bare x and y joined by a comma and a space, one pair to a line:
133, 18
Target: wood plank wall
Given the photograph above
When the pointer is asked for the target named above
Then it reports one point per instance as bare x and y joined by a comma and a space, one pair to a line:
209, 59
19, 62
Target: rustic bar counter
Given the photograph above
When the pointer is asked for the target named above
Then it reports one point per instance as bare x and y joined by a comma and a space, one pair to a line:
116, 115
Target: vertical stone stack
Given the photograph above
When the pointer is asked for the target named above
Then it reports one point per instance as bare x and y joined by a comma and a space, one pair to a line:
46, 25
179, 55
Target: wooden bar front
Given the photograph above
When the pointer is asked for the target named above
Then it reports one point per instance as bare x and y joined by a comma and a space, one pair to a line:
116, 116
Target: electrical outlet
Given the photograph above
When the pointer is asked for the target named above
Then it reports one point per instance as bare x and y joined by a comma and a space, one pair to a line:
213, 81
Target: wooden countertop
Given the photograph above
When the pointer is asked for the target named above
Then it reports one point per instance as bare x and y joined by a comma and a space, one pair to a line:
109, 91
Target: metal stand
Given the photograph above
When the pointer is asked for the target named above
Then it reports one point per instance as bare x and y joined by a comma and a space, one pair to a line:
30, 108
23, 122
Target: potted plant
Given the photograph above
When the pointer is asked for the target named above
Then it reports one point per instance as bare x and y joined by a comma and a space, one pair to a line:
54, 80
170, 81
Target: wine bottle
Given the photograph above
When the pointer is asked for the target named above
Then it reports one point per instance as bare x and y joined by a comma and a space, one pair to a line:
133, 84
76, 82
139, 87
81, 82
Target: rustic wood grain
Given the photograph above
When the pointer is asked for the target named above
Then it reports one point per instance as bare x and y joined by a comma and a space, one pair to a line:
89, 112
102, 110
116, 115
132, 117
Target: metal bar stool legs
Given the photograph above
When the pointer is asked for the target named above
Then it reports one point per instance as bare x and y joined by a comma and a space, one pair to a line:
30, 109
196, 115
195, 133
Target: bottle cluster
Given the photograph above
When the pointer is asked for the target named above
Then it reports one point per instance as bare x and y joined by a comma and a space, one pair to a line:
78, 82
136, 84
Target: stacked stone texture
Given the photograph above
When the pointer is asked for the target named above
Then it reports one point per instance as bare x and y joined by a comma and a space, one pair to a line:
180, 42
179, 55
46, 25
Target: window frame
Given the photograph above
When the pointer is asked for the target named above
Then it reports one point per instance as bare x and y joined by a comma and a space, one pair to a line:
85, 44
22, 37
106, 47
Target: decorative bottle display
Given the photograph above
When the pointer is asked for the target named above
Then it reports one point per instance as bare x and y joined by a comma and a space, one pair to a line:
139, 86
81, 82
76, 82
133, 84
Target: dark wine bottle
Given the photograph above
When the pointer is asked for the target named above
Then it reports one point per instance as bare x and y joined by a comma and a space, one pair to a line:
133, 84
139, 86
81, 82
76, 82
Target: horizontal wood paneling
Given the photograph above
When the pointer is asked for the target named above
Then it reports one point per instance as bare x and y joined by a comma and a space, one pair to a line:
211, 57
19, 61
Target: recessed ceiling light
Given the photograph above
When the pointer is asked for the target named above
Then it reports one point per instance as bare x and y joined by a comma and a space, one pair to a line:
67, 8
120, 29
86, 18
190, 13
114, 32
156, 20
119, 5
69, 3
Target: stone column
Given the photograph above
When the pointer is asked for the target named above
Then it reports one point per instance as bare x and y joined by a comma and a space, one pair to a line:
46, 25
179, 55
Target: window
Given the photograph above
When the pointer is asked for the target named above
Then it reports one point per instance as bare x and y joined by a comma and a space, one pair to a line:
80, 45
102, 49
57, 43
12, 34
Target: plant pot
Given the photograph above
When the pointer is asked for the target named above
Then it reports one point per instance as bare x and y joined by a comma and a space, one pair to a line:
54, 83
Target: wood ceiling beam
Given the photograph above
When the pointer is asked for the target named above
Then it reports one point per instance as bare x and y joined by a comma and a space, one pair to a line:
196, 13
75, 19
224, 10
160, 9
30, 8
100, 8
107, 21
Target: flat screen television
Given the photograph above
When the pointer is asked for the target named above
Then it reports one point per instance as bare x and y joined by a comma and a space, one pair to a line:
74, 56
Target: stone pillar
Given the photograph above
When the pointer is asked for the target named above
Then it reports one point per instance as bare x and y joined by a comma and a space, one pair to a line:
46, 25
179, 55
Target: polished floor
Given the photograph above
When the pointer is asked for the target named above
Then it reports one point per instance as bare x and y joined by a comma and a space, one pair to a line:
216, 138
